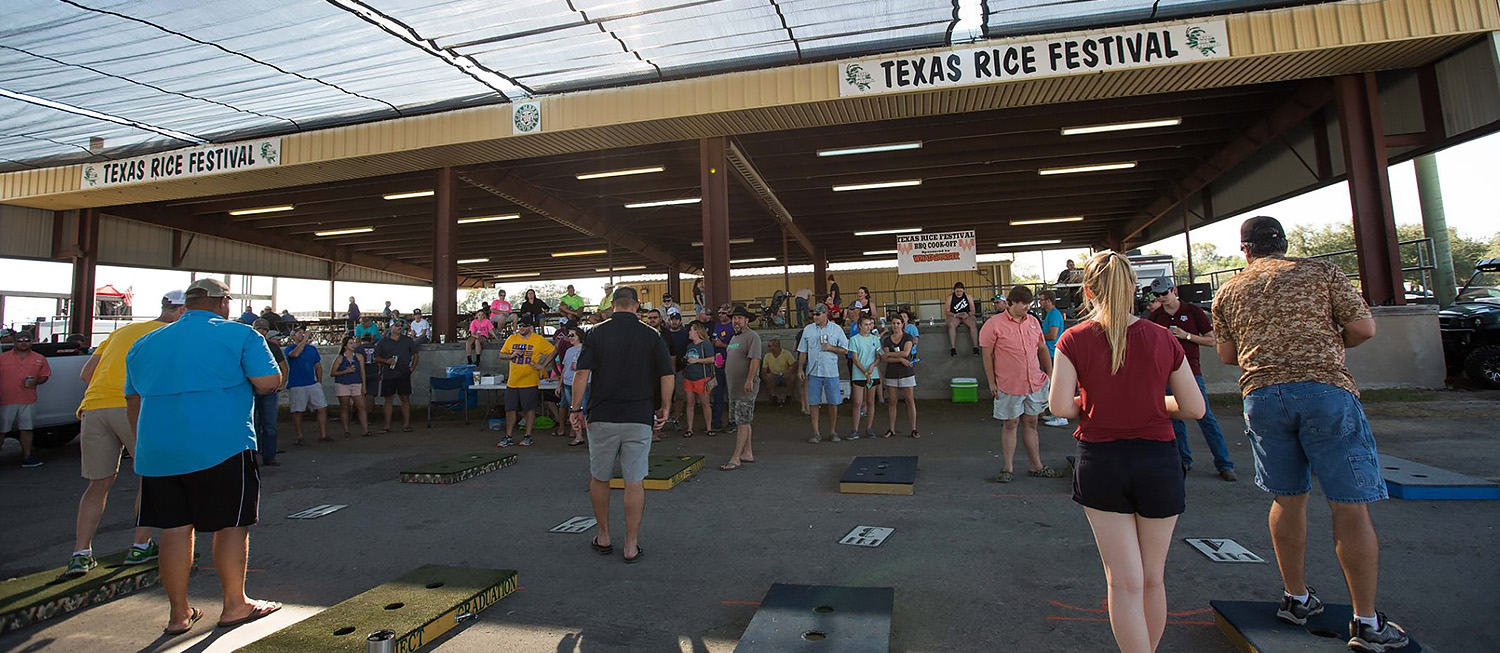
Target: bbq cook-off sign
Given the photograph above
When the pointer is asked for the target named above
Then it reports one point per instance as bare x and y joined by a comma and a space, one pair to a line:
179, 164
923, 253
1075, 55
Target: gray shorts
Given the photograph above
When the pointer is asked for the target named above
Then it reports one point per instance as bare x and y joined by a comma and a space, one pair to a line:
521, 400
1009, 407
17, 416
628, 444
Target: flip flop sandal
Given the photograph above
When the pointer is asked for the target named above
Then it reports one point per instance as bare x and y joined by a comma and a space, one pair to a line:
743, 461
262, 609
639, 552
601, 550
194, 614
728, 467
383, 431
326, 439
577, 442
406, 429
367, 434
916, 434
888, 433
346, 434
687, 434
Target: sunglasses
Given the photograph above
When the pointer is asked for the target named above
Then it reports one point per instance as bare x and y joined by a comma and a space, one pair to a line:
1160, 294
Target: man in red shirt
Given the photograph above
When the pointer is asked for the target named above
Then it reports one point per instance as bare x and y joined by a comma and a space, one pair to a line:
1017, 364
1193, 329
21, 371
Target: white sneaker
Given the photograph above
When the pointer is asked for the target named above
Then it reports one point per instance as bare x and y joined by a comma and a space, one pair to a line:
1055, 421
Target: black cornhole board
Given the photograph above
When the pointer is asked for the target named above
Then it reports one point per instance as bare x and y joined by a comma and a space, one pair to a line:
880, 475
826, 619
1252, 627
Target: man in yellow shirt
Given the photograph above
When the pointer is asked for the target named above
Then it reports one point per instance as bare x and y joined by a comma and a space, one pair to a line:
776, 370
105, 431
529, 353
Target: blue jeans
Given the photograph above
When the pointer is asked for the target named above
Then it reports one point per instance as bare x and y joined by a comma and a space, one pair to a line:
802, 311
720, 397
265, 426
1300, 429
1211, 434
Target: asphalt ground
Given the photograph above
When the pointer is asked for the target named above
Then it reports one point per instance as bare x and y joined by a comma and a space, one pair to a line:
977, 566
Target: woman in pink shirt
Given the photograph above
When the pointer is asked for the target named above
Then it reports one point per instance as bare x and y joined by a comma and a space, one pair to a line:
480, 330
1128, 475
500, 312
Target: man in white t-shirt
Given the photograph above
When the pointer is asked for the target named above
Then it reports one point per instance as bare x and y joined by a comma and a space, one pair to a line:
421, 329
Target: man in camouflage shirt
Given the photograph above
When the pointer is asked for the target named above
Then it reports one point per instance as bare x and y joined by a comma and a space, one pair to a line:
1286, 322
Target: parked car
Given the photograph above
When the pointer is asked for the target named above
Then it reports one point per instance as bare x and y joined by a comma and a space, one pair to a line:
1471, 326
56, 412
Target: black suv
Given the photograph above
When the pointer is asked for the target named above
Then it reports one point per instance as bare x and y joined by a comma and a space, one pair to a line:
1471, 326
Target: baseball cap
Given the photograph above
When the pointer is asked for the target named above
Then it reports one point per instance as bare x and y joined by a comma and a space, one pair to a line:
173, 298
666, 296
1261, 227
207, 288
261, 323
22, 336
998, 298
819, 309
624, 292
1161, 284
673, 312
528, 319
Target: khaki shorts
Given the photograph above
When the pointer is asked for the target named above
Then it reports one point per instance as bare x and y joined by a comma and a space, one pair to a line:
103, 433
1009, 407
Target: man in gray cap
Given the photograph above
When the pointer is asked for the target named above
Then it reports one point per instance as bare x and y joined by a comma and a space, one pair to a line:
105, 431
1193, 329
189, 389
631, 373
1286, 322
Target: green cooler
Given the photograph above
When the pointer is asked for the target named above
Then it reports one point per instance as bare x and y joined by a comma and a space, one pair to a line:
965, 390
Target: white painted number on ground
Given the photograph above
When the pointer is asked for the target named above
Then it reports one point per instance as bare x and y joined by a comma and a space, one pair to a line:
867, 536
1221, 550
317, 511
574, 525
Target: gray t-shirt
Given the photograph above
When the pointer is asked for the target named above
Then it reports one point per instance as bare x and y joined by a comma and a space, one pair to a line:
743, 348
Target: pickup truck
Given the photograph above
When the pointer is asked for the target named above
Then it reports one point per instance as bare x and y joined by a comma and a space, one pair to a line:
56, 412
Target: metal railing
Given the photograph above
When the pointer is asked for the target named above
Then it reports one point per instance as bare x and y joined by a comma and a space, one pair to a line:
1418, 277
890, 301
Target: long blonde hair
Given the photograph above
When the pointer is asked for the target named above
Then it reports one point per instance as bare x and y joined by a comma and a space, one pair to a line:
1110, 300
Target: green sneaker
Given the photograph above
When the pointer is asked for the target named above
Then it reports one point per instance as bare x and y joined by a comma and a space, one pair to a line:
79, 565
139, 556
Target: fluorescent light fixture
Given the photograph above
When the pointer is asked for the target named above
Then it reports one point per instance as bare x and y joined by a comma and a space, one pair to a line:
1019, 223
647, 205
869, 149
517, 275
619, 173
491, 218
263, 209
887, 232
766, 259
622, 268
732, 241
1121, 126
345, 232
1024, 243
881, 252
407, 196
1098, 167
466, 261
582, 252
879, 184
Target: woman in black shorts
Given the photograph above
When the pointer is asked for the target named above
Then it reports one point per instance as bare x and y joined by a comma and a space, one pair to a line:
1128, 475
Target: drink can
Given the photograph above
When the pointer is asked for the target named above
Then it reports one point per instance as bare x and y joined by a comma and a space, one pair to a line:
825, 338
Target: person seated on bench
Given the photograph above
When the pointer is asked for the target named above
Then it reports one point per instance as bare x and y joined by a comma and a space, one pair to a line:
480, 330
960, 310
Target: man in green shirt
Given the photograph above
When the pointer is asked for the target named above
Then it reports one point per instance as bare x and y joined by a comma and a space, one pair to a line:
571, 306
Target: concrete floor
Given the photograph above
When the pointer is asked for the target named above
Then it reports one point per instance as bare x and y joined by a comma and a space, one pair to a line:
977, 566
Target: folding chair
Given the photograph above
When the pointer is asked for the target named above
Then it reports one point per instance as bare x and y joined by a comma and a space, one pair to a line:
449, 393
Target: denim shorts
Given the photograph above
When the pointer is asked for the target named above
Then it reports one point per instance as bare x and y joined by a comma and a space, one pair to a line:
824, 390
1297, 430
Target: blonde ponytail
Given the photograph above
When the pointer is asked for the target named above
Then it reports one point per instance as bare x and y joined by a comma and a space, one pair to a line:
1110, 300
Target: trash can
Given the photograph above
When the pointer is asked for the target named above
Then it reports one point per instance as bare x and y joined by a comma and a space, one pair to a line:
965, 390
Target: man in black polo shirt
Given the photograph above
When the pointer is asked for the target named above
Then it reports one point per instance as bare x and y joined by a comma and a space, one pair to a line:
629, 365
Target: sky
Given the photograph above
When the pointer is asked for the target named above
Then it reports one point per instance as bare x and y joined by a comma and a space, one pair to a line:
1470, 195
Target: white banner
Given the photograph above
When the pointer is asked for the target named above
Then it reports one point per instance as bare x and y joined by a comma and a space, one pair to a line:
179, 164
923, 253
1088, 53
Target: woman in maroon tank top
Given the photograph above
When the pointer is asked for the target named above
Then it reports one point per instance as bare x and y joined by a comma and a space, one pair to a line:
1128, 475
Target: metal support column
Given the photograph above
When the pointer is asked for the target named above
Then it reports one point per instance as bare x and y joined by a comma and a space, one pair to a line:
786, 266
674, 283
1187, 238
1435, 226
333, 304
445, 257
714, 175
85, 255
820, 274
1375, 240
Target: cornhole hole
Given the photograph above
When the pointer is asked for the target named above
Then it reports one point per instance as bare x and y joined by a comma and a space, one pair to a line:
1252, 627
41, 596
418, 608
880, 475
826, 619
664, 472
458, 469
1412, 480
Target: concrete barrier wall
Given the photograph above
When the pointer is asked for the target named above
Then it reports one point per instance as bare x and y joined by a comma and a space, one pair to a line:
1407, 352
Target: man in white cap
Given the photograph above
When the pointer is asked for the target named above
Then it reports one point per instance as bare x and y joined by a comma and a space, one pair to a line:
105, 431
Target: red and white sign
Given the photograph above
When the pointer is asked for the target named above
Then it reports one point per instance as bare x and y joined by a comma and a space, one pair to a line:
947, 252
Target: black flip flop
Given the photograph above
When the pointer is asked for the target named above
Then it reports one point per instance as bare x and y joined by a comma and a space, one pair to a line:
262, 609
601, 550
639, 552
194, 614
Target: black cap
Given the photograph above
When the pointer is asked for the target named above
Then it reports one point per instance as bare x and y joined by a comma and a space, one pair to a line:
741, 311
528, 319
1260, 228
625, 292
22, 336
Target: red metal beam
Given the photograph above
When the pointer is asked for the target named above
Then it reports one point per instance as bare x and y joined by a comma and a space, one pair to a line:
444, 259
1375, 240
714, 174
85, 255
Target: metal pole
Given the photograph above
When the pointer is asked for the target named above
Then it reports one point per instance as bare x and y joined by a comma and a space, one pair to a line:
786, 266
1188, 238
1435, 225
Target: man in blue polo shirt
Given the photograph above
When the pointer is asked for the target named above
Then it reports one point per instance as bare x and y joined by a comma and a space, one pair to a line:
189, 389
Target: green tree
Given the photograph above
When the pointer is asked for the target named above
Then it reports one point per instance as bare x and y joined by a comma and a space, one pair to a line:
1206, 260
1306, 241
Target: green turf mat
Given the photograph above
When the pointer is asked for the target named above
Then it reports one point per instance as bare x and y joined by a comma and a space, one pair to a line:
419, 606
458, 469
29, 599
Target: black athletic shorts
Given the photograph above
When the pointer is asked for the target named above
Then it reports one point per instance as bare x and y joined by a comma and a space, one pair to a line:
521, 400
400, 385
372, 386
1141, 477
223, 496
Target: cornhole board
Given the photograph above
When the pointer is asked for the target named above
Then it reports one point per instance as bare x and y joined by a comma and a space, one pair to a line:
880, 475
41, 596
826, 619
1252, 627
664, 472
1412, 480
458, 469
419, 607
